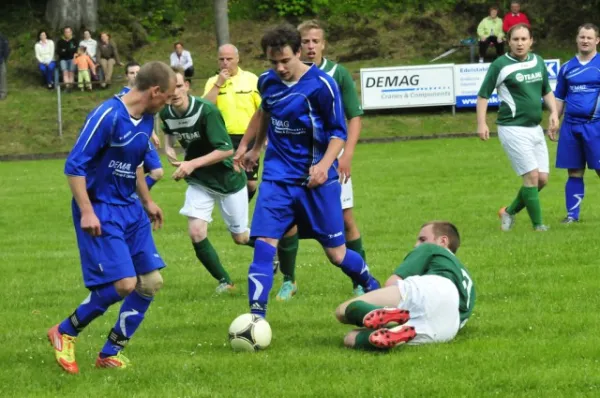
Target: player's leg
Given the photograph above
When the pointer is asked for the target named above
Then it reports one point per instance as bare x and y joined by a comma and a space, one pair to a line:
570, 155
252, 184
152, 166
287, 252
198, 208
536, 181
234, 209
353, 237
273, 215
483, 46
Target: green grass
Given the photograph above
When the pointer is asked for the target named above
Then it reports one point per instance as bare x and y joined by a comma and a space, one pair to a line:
533, 331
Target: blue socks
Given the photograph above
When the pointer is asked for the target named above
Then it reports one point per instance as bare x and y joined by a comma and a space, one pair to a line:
91, 308
574, 192
355, 267
132, 313
260, 277
150, 182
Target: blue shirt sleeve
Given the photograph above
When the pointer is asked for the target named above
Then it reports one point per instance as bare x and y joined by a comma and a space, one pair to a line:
332, 110
94, 136
561, 83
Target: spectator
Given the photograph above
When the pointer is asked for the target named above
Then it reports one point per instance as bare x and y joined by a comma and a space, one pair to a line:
84, 63
66, 48
183, 59
108, 56
490, 33
515, 16
44, 53
4, 52
90, 44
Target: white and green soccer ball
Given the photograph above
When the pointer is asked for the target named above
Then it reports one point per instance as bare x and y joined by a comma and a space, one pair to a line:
249, 332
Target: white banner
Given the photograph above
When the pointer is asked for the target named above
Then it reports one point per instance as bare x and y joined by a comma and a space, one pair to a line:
407, 86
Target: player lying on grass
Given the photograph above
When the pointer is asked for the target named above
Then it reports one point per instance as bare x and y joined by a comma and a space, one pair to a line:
428, 299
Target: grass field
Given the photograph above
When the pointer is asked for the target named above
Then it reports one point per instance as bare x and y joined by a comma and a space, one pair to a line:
533, 332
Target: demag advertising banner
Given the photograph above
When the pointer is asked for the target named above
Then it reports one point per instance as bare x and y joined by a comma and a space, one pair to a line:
407, 86
468, 79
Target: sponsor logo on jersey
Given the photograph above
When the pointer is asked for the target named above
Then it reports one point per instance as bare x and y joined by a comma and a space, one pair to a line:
283, 127
122, 169
188, 136
528, 77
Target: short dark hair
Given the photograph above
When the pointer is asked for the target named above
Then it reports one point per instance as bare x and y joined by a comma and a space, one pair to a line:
178, 43
43, 31
154, 73
589, 26
281, 36
130, 65
493, 8
446, 228
87, 30
519, 26
67, 27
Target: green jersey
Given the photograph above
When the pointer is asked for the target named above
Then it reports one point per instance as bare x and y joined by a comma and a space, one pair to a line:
430, 259
201, 130
342, 77
521, 85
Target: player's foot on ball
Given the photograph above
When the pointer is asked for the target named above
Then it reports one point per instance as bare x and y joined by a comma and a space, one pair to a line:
506, 220
541, 228
116, 361
64, 350
358, 291
390, 338
225, 288
384, 316
287, 291
569, 220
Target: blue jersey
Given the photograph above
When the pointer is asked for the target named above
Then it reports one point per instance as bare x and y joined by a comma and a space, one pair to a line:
110, 147
124, 90
305, 116
579, 87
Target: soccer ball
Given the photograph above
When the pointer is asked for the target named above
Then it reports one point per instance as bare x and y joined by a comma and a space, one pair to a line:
249, 333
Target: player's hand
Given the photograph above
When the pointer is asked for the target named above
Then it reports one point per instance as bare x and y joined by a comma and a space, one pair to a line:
155, 214
172, 157
317, 175
483, 131
344, 168
224, 75
183, 170
155, 139
91, 224
553, 126
250, 159
238, 158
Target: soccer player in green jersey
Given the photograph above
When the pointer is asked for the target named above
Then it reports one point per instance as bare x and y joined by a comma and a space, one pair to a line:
313, 44
428, 299
208, 170
522, 80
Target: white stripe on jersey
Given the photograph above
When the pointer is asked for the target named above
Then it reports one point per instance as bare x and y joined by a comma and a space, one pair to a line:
95, 127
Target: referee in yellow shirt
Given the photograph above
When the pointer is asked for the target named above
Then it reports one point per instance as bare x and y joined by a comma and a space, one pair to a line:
235, 93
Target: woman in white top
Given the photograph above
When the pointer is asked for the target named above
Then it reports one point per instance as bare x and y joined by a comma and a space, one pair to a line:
44, 52
90, 44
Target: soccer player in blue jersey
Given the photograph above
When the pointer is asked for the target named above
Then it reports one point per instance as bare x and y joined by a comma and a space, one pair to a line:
152, 164
578, 95
118, 257
304, 120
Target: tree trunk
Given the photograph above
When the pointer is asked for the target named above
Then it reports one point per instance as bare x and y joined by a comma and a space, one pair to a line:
74, 13
221, 22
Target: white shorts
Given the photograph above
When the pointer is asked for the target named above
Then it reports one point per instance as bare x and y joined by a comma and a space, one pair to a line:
347, 195
526, 148
433, 305
200, 202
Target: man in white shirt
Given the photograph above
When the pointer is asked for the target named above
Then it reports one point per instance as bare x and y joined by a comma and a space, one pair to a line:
183, 59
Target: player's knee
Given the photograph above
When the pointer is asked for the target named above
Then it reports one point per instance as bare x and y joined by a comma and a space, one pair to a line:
198, 232
542, 180
125, 286
252, 185
340, 313
149, 284
157, 174
350, 339
336, 256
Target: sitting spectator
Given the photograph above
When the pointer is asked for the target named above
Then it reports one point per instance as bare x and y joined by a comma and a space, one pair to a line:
490, 33
66, 48
90, 44
515, 16
44, 53
84, 63
4, 52
183, 59
108, 56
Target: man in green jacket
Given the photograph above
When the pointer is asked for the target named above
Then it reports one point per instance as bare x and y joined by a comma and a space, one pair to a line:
490, 32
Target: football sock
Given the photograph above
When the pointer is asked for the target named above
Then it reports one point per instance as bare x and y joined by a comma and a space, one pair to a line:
260, 277
517, 205
531, 197
251, 242
356, 311
574, 192
131, 315
357, 246
287, 250
355, 267
362, 342
251, 195
210, 259
91, 308
150, 182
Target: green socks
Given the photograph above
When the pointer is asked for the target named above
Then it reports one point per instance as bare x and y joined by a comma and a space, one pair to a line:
362, 341
210, 259
518, 204
287, 250
356, 311
531, 197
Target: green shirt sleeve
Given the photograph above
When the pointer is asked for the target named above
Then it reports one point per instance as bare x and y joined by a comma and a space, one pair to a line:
545, 83
216, 132
415, 262
489, 82
352, 107
163, 124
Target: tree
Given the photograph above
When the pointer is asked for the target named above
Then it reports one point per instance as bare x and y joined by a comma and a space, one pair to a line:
221, 22
73, 13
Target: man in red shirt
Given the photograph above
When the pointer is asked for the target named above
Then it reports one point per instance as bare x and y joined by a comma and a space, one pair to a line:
514, 17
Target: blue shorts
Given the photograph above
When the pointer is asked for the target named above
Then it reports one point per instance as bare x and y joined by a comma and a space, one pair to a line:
67, 65
151, 160
578, 144
125, 248
317, 212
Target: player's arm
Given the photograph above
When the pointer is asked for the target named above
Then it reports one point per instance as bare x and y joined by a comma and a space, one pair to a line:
485, 91
211, 90
94, 136
152, 209
561, 91
550, 103
353, 112
170, 150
